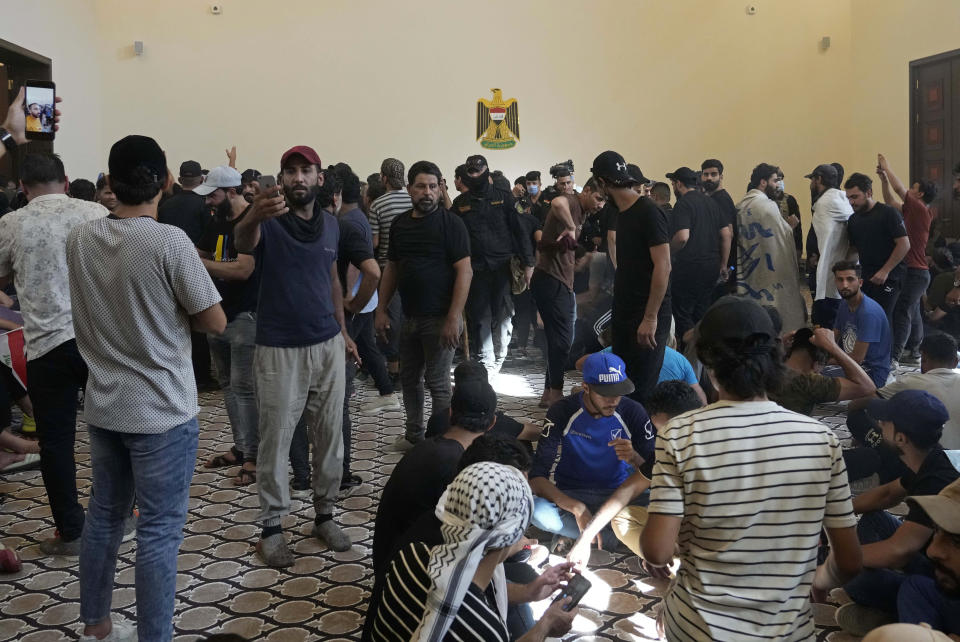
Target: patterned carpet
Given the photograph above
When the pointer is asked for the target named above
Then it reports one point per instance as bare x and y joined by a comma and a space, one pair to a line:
223, 587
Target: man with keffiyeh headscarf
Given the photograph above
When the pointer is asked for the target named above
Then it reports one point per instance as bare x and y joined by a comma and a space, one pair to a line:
483, 515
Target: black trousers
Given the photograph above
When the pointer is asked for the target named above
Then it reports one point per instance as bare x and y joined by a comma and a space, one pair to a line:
643, 364
54, 380
557, 306
886, 295
873, 457
525, 315
693, 296
200, 355
360, 328
488, 313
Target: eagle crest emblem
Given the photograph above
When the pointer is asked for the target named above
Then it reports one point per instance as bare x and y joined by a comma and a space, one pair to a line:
497, 126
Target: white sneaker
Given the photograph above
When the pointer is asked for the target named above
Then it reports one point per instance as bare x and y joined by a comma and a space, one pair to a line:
380, 404
122, 631
401, 445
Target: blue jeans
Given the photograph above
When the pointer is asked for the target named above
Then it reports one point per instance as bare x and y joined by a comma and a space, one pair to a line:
160, 468
919, 600
232, 354
549, 517
907, 317
878, 587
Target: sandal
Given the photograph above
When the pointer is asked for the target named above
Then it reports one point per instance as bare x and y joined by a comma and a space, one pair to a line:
245, 478
221, 461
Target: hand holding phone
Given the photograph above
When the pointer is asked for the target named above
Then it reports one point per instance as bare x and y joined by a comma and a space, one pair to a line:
575, 589
39, 107
268, 203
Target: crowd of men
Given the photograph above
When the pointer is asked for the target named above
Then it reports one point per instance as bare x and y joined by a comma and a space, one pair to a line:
687, 437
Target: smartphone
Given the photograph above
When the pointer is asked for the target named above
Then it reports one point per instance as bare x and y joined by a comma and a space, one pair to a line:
576, 588
39, 106
268, 182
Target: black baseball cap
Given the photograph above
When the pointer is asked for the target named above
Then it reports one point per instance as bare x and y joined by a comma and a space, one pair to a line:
476, 163
684, 175
825, 171
734, 317
191, 169
137, 160
634, 171
474, 398
611, 166
249, 175
913, 412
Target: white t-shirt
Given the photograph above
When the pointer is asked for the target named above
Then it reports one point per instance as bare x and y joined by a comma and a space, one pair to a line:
753, 483
135, 283
942, 383
33, 242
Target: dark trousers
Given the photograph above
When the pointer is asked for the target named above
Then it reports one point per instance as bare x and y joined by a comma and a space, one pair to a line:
557, 306
643, 364
360, 329
907, 317
524, 316
824, 311
54, 380
886, 295
201, 358
390, 349
300, 452
488, 311
695, 294
920, 601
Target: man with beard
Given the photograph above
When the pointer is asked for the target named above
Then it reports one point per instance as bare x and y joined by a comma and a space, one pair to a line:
247, 179
236, 279
640, 321
911, 422
711, 181
878, 235
429, 264
495, 237
700, 245
767, 260
936, 601
301, 340
831, 209
861, 326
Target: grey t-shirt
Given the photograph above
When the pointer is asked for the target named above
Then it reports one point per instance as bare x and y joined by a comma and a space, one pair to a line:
134, 283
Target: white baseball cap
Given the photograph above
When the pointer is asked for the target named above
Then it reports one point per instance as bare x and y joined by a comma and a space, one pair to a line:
218, 177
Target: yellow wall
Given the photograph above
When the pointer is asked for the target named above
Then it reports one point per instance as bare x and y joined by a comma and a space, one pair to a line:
666, 83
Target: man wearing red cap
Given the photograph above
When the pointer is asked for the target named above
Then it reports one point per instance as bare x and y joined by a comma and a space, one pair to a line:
300, 343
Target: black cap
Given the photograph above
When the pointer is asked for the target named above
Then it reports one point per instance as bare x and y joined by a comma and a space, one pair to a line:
476, 163
137, 160
916, 413
610, 166
825, 171
634, 171
249, 175
190, 169
684, 175
474, 398
734, 317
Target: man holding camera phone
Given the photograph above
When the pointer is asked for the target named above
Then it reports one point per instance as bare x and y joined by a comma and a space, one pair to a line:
300, 345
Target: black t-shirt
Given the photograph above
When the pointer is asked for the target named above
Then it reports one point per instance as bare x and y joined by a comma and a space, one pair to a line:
188, 211
935, 473
606, 221
874, 234
414, 487
696, 212
728, 214
424, 249
217, 239
439, 422
356, 242
639, 227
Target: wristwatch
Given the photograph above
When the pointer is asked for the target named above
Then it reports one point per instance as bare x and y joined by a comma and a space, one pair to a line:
7, 139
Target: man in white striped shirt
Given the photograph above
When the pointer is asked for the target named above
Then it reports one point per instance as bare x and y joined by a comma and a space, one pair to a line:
743, 487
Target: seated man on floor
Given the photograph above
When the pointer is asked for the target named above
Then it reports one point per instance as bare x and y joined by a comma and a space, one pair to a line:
803, 386
668, 400
592, 441
861, 327
912, 422
936, 600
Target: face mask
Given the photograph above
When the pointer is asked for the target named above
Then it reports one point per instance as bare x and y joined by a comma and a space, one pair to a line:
780, 186
476, 183
532, 190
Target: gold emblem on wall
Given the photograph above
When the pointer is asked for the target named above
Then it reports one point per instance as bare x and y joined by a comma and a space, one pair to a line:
497, 126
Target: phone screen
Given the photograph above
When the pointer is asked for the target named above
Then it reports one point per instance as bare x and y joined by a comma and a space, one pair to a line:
39, 109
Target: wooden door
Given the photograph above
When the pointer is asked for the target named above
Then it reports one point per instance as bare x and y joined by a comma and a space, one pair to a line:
935, 131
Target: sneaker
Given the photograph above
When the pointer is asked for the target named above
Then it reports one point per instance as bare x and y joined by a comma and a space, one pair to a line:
349, 485
380, 404
29, 425
58, 547
910, 359
330, 533
401, 445
122, 631
860, 620
274, 552
301, 489
130, 527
